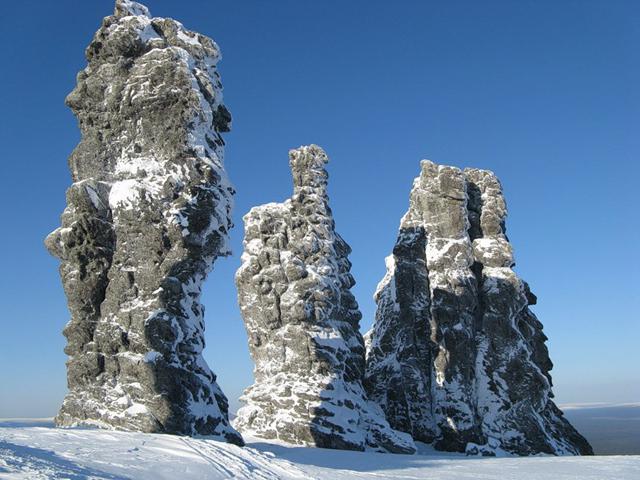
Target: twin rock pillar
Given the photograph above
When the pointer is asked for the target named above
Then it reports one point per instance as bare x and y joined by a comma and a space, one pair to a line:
456, 357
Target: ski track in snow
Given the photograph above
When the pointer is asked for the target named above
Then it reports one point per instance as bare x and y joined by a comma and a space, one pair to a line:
36, 450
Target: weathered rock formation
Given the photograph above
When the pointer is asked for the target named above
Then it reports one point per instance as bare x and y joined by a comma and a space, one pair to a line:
456, 357
302, 321
148, 213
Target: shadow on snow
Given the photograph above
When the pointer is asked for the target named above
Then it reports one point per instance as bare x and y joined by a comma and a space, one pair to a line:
23, 459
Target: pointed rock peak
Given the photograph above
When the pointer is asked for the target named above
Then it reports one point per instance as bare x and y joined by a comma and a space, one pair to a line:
294, 291
307, 166
126, 8
426, 164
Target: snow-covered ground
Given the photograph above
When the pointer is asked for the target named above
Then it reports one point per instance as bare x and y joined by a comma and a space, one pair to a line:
36, 450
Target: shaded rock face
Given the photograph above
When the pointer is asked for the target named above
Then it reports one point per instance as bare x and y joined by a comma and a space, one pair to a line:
148, 213
456, 357
303, 324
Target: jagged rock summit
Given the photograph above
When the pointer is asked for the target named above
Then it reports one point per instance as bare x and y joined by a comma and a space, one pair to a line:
456, 357
148, 213
302, 322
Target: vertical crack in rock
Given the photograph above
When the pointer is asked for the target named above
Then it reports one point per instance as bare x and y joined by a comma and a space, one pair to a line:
515, 404
455, 356
303, 324
419, 365
148, 213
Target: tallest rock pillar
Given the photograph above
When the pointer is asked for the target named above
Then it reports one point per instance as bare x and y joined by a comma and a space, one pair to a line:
148, 213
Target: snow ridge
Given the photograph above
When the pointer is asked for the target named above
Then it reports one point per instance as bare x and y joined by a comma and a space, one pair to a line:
37, 451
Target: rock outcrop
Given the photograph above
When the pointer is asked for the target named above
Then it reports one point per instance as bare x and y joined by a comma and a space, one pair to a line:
148, 213
456, 357
303, 324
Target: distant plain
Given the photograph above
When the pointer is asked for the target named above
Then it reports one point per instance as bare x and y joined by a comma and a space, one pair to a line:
611, 429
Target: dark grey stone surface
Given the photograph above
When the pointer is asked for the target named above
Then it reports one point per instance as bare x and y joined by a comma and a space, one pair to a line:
456, 358
148, 213
303, 324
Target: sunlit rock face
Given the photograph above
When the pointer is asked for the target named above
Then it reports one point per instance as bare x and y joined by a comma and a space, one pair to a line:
148, 213
303, 324
456, 357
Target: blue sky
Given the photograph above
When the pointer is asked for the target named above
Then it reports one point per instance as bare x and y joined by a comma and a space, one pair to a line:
544, 93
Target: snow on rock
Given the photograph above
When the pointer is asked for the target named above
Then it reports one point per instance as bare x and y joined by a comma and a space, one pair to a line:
418, 363
147, 215
37, 452
456, 358
302, 320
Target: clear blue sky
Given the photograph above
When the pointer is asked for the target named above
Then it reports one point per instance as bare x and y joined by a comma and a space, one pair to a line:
545, 93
